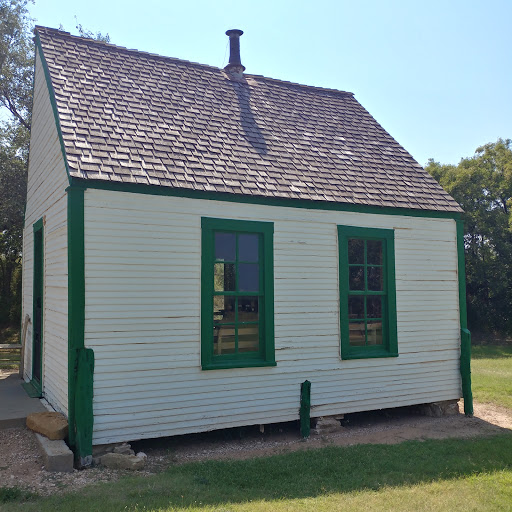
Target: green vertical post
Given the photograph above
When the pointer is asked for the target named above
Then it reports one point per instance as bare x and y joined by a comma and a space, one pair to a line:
305, 408
80, 360
84, 418
465, 335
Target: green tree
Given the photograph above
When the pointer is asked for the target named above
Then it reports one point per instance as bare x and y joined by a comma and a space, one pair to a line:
88, 34
16, 78
482, 185
16, 89
12, 190
16, 60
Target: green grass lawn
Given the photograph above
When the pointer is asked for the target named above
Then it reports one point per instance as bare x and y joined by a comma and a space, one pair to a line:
442, 475
491, 372
9, 359
452, 474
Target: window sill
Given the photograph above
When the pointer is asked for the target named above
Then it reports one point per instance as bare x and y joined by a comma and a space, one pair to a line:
368, 355
227, 365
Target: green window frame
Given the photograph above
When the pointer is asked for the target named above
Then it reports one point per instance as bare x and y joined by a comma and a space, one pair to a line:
237, 294
367, 292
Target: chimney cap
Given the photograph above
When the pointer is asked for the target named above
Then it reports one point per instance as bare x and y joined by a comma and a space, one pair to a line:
234, 32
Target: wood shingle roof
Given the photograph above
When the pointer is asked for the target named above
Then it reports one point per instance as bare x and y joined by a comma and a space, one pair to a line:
129, 116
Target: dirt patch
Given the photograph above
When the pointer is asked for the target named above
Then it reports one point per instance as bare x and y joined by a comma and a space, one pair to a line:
21, 464
389, 426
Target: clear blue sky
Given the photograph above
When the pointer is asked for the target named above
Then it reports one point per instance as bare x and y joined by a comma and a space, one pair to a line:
436, 74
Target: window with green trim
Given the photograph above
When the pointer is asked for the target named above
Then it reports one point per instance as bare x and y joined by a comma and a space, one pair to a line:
237, 294
367, 292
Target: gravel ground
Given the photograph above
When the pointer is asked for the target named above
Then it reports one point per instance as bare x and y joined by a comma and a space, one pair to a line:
21, 464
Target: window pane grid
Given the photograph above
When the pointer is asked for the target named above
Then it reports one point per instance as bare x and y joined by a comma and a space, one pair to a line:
367, 292
237, 294
246, 271
364, 330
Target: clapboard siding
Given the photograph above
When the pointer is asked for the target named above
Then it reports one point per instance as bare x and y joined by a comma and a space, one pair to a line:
46, 197
139, 390
143, 290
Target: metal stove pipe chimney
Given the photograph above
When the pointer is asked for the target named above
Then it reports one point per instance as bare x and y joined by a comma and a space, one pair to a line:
235, 64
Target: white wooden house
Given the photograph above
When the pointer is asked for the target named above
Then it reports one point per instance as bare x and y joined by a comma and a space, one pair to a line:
199, 242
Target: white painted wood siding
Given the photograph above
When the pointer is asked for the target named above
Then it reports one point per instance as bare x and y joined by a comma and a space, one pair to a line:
143, 294
46, 197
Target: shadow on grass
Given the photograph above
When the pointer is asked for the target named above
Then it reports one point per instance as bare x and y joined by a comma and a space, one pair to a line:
298, 475
491, 351
9, 334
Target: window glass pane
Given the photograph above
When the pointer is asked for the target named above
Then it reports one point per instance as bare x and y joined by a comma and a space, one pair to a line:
225, 246
374, 307
248, 247
248, 309
248, 338
248, 277
356, 251
374, 252
224, 277
356, 278
223, 308
224, 339
374, 333
356, 334
355, 307
375, 279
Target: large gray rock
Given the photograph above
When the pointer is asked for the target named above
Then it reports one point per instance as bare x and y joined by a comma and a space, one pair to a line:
122, 461
125, 449
327, 425
53, 425
438, 409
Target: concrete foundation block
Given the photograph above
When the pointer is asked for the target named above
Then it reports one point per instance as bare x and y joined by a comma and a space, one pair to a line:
56, 454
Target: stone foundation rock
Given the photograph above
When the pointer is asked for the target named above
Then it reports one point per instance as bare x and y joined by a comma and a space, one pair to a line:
52, 425
124, 449
438, 409
122, 461
328, 425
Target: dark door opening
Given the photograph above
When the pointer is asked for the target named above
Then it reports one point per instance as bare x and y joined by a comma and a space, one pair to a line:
37, 346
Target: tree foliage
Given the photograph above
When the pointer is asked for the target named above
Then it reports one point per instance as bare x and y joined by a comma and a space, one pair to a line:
12, 200
16, 79
16, 60
482, 185
16, 89
88, 34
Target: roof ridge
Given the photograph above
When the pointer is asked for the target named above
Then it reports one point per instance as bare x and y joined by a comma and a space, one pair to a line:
296, 84
124, 49
95, 42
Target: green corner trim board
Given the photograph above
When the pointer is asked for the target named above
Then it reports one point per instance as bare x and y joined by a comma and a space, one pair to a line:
465, 335
80, 360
